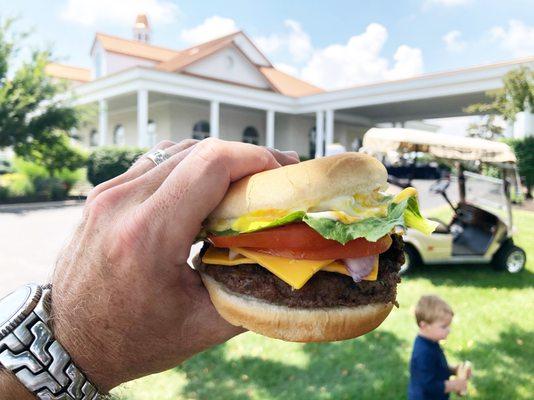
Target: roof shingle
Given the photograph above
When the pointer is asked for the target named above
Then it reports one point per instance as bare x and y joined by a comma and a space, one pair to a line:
287, 84
63, 71
135, 48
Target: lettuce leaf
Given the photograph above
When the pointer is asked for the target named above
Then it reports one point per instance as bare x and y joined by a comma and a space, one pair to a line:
253, 226
414, 219
404, 213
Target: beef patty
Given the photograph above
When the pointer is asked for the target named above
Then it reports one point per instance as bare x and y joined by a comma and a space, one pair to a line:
324, 289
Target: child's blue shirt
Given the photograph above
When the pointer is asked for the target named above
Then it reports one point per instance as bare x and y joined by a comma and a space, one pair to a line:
428, 371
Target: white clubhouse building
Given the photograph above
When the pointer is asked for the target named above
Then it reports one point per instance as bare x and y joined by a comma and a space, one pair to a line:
227, 88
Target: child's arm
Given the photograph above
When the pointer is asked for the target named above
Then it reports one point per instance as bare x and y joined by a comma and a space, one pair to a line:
453, 369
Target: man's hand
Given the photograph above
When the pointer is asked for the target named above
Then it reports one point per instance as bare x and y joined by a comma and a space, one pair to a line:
125, 302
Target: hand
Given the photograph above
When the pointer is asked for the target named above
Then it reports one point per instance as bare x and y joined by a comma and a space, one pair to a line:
468, 372
125, 303
458, 386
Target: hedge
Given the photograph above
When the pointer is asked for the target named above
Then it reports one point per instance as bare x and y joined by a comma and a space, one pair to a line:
108, 162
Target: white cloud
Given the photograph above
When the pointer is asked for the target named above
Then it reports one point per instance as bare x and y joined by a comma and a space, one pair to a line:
296, 41
299, 42
288, 69
212, 27
268, 44
408, 62
518, 38
121, 12
359, 61
453, 42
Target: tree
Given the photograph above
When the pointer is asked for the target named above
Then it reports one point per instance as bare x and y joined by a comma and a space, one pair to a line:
34, 119
515, 96
486, 129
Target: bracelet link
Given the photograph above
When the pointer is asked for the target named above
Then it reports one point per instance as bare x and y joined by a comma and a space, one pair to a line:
40, 362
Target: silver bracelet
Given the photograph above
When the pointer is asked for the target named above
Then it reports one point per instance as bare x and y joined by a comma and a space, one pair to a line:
38, 360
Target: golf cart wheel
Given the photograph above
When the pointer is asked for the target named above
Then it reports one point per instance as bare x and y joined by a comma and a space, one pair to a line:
511, 259
412, 259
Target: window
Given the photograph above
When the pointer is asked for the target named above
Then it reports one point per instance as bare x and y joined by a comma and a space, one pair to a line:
201, 130
250, 135
118, 135
93, 138
151, 132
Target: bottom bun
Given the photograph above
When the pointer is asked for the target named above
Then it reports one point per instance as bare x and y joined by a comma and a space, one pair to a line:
295, 324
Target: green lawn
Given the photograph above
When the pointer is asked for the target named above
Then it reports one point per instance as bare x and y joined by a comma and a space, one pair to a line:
493, 328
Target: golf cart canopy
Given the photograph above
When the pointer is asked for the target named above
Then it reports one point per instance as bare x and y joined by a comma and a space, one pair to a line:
401, 140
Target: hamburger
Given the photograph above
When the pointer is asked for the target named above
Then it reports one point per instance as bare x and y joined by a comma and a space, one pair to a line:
309, 252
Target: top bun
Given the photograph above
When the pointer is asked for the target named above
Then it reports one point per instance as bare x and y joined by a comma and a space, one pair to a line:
302, 185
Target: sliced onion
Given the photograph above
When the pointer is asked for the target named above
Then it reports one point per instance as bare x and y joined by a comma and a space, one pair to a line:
359, 268
232, 255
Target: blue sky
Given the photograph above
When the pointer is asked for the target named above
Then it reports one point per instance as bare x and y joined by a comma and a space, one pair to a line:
307, 38
332, 44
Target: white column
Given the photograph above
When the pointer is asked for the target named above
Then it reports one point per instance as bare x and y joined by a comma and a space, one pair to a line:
214, 119
269, 129
102, 122
319, 133
329, 131
142, 118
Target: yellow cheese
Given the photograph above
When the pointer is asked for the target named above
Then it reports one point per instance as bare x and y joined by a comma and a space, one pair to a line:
216, 255
336, 266
294, 272
374, 272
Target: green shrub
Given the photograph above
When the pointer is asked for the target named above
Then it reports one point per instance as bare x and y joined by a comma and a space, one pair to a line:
108, 162
69, 178
17, 185
51, 188
32, 170
30, 179
524, 151
4, 192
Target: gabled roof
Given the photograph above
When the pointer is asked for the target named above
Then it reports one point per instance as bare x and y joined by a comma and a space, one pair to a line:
195, 53
278, 80
177, 60
287, 84
63, 71
134, 48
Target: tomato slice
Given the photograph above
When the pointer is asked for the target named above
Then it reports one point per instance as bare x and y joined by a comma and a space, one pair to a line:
291, 236
354, 249
302, 242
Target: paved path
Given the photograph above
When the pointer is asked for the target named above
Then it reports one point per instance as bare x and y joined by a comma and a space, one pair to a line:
31, 240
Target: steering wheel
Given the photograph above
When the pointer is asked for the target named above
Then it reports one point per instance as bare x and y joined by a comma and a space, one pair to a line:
440, 186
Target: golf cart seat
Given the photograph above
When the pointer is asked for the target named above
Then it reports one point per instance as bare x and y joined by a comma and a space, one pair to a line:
442, 227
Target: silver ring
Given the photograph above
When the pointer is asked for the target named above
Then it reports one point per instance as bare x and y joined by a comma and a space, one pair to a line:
158, 156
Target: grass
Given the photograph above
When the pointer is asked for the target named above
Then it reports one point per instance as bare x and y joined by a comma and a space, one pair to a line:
493, 328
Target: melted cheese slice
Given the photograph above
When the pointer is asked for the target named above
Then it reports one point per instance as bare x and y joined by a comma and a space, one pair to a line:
294, 272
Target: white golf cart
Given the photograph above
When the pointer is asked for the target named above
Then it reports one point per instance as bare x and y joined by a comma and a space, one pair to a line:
481, 228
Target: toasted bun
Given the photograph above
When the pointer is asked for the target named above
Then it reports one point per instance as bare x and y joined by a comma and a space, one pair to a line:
302, 185
293, 324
